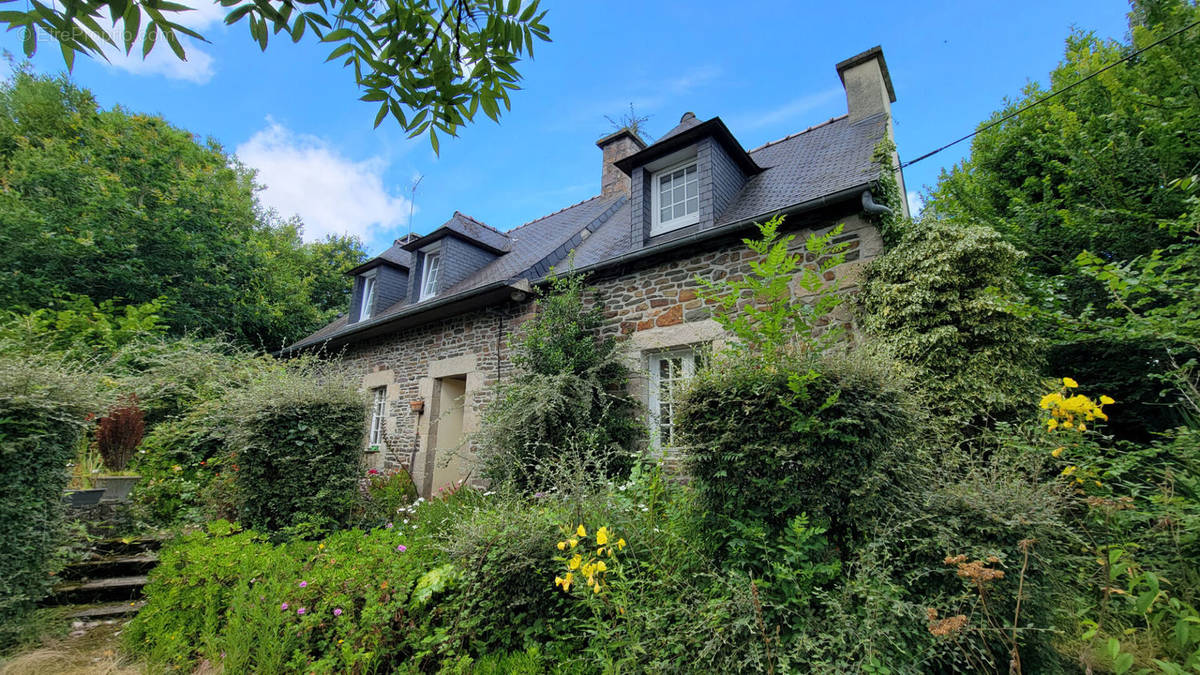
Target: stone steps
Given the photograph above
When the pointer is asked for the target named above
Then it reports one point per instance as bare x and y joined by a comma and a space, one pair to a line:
110, 566
109, 611
108, 590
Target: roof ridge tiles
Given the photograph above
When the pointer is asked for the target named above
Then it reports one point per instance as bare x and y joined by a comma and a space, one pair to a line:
789, 137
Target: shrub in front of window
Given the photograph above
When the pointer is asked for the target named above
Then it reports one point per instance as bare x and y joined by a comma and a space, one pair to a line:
761, 452
43, 407
297, 439
568, 407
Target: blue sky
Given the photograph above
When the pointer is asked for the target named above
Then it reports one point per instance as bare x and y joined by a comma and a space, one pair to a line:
766, 68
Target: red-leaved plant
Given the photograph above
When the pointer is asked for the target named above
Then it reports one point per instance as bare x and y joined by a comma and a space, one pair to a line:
119, 433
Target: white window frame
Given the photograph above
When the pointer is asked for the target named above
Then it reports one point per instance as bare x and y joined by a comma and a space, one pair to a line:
367, 302
688, 362
431, 257
659, 226
378, 418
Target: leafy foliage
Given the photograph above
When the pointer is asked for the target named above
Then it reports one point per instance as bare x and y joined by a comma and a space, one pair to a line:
568, 407
941, 300
296, 435
762, 453
430, 65
1083, 185
119, 432
43, 405
125, 209
758, 308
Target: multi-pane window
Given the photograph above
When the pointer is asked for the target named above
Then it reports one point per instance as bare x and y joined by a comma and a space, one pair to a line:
368, 298
669, 372
429, 276
378, 414
676, 198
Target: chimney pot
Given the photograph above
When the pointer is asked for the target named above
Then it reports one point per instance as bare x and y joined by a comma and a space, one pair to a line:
689, 115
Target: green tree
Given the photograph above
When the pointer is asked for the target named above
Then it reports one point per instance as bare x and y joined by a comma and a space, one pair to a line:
1089, 171
117, 206
430, 65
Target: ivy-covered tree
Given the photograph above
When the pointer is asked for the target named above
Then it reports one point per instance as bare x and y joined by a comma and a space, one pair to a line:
123, 207
431, 65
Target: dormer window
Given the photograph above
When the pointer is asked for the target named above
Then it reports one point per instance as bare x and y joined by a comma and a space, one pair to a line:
429, 274
368, 298
676, 198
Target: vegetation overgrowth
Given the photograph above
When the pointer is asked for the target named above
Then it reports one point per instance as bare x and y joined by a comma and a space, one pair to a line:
971, 483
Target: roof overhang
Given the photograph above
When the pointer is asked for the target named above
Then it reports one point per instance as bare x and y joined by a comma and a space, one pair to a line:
443, 232
372, 264
713, 127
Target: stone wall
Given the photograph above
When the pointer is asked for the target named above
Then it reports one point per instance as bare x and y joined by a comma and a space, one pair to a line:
651, 307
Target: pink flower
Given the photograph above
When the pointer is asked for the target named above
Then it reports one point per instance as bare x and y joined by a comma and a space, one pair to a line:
373, 472
303, 584
389, 526
337, 611
283, 606
402, 548
300, 611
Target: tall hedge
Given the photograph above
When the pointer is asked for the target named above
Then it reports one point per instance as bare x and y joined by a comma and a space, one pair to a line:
941, 300
762, 450
42, 411
297, 437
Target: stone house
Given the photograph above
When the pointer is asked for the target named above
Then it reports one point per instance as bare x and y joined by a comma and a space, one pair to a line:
430, 318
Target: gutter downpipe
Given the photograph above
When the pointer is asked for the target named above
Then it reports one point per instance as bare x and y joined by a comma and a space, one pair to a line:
869, 205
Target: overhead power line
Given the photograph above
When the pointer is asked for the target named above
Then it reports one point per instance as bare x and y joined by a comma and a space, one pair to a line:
1051, 95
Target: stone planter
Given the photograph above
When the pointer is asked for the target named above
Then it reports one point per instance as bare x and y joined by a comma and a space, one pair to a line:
116, 488
88, 497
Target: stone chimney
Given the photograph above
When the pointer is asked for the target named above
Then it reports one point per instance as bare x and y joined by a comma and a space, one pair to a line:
617, 146
868, 85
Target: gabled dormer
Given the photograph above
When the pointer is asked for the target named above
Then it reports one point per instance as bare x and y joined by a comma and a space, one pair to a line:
685, 180
380, 282
451, 253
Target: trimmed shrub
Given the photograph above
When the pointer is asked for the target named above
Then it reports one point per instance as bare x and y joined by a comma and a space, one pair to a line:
297, 437
764, 446
43, 406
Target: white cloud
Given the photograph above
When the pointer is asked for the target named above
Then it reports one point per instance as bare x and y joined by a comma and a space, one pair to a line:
198, 67
305, 176
789, 111
916, 203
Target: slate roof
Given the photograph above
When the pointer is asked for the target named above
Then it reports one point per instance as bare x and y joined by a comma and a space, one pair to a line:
468, 228
822, 160
394, 254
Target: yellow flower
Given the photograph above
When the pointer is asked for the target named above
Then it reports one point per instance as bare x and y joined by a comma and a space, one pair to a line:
1049, 400
1105, 400
573, 542
600, 566
581, 531
574, 562
562, 545
1057, 452
1082, 427
620, 544
320, 547
1052, 424
566, 584
558, 581
1069, 470
601, 536
596, 589
1069, 383
1097, 483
